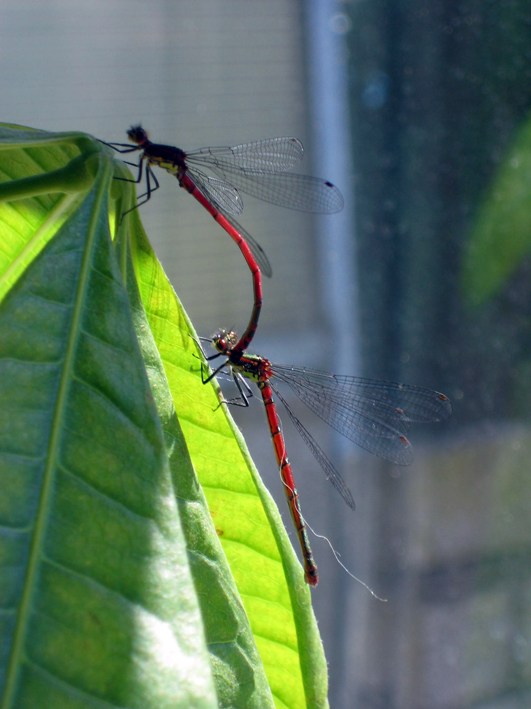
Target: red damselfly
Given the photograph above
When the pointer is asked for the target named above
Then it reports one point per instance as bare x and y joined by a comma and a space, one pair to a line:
258, 169
373, 414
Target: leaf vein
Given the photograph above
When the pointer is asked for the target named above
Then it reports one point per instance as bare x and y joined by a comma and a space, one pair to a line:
69, 688
105, 496
97, 585
110, 402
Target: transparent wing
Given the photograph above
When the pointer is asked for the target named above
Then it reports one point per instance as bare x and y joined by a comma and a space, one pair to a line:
254, 246
375, 415
221, 194
331, 473
269, 155
227, 200
259, 169
301, 192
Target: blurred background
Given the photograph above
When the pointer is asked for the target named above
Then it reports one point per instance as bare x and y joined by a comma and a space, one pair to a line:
420, 112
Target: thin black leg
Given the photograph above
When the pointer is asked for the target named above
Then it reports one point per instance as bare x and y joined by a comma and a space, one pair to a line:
149, 191
140, 166
117, 146
243, 399
147, 194
214, 373
198, 343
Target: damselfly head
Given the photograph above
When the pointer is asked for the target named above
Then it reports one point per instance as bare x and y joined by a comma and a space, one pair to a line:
224, 340
137, 134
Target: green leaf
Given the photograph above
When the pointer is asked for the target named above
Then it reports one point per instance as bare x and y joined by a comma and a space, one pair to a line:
250, 588
238, 670
501, 235
97, 605
268, 576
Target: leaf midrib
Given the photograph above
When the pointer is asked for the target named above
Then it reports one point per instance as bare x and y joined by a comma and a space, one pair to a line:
44, 501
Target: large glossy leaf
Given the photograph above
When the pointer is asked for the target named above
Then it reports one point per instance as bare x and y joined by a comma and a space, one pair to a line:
97, 605
98, 430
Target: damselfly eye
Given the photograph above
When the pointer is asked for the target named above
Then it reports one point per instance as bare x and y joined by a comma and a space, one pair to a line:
137, 134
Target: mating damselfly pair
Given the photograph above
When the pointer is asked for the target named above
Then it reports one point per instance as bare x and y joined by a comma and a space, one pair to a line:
375, 415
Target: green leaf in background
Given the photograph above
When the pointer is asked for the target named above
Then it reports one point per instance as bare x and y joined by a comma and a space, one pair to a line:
97, 606
501, 235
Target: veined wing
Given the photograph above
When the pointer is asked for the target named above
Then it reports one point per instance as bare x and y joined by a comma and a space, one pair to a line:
224, 196
227, 200
254, 246
375, 415
285, 189
331, 473
269, 155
